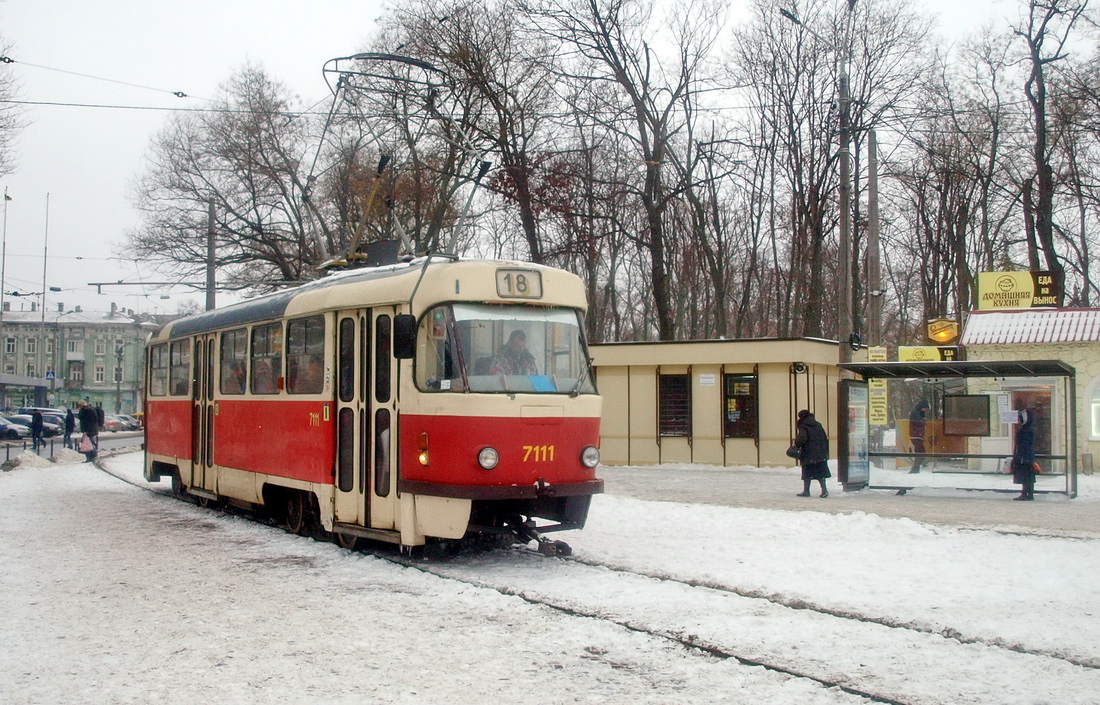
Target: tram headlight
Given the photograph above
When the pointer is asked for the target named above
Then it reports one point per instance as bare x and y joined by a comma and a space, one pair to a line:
488, 458
590, 456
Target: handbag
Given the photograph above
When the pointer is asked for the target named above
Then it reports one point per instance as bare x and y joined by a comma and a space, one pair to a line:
794, 452
85, 445
1006, 468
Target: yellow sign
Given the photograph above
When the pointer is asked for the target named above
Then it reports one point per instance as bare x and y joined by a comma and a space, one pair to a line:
999, 290
878, 406
943, 330
927, 353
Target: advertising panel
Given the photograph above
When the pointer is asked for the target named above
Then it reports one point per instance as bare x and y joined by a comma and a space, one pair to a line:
1001, 290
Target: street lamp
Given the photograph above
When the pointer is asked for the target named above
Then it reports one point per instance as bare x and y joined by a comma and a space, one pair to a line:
846, 334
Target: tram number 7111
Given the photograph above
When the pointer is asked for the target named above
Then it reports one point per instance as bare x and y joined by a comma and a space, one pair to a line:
538, 454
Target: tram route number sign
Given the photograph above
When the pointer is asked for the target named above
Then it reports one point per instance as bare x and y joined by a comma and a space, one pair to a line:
519, 284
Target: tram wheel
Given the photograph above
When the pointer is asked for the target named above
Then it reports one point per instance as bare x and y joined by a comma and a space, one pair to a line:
295, 513
348, 541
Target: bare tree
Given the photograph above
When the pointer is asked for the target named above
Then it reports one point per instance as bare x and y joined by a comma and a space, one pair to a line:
612, 40
246, 157
11, 120
1045, 31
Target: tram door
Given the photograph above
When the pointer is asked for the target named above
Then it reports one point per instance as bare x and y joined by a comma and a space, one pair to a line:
352, 504
202, 414
365, 418
383, 423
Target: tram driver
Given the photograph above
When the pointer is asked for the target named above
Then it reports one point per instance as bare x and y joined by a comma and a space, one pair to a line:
513, 358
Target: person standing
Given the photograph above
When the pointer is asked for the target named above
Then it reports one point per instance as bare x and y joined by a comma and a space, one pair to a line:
813, 445
89, 426
70, 426
1023, 456
36, 430
918, 419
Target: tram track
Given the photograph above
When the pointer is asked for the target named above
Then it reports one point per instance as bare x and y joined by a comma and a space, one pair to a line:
572, 587
797, 603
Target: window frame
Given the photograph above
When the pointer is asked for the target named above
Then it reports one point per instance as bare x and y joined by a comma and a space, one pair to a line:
674, 406
750, 425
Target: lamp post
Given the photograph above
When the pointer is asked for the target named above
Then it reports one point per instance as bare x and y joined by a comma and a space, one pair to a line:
119, 352
846, 335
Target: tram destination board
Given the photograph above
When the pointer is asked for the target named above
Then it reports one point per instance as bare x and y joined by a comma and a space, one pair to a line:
519, 284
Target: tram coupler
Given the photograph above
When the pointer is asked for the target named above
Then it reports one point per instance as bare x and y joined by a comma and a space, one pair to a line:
526, 531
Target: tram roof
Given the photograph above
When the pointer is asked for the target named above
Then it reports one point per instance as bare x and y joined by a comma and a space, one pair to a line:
279, 303
961, 368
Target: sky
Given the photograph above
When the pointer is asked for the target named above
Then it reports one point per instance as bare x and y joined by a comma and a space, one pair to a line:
114, 594
77, 166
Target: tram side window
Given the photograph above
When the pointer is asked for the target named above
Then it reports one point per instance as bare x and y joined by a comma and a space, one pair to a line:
305, 355
739, 417
158, 370
179, 373
234, 361
267, 358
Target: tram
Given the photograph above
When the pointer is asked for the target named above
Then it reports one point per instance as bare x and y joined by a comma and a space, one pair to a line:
423, 402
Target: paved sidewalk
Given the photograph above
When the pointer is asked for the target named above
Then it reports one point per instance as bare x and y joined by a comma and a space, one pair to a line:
775, 488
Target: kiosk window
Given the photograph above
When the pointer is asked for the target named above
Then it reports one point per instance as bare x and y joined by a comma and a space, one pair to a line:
674, 405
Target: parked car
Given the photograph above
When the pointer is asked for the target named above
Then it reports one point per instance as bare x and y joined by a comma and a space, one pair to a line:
111, 422
129, 422
13, 431
48, 429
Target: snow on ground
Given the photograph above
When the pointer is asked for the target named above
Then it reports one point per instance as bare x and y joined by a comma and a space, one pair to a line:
113, 594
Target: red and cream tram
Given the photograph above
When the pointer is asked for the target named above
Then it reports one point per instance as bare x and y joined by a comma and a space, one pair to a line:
435, 399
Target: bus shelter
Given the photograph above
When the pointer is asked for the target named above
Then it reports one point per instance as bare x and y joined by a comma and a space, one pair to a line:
970, 416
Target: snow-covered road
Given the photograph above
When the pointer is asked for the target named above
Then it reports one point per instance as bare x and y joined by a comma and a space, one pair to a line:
115, 594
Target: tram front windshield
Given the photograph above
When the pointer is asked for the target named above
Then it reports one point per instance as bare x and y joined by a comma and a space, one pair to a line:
492, 348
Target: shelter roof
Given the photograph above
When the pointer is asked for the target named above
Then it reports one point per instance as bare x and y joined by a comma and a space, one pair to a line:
1058, 325
964, 368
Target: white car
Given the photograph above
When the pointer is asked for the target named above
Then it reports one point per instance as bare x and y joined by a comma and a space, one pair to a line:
13, 431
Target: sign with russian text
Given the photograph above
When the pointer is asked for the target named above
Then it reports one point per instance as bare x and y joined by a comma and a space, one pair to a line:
928, 353
878, 410
1003, 290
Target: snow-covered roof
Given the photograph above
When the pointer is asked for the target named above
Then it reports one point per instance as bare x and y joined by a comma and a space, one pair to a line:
1064, 325
71, 318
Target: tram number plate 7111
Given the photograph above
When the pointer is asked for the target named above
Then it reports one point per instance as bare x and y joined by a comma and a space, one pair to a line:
538, 454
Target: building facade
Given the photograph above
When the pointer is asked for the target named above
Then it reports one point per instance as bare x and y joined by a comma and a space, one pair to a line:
717, 402
56, 358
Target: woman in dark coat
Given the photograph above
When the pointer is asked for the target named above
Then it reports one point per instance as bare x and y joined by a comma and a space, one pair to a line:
89, 426
813, 445
1023, 456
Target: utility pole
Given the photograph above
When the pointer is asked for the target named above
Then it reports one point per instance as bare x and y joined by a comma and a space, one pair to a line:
210, 281
874, 264
845, 329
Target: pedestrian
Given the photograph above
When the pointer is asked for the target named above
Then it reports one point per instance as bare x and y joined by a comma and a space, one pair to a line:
89, 426
917, 421
813, 445
70, 426
1023, 456
36, 430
